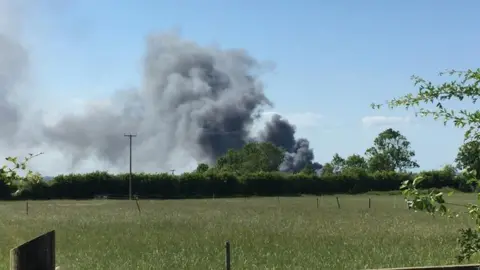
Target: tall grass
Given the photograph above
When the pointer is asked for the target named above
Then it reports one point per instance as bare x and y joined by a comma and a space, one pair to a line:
265, 233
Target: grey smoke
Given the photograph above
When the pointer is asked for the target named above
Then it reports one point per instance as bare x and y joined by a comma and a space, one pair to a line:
202, 100
279, 132
298, 152
13, 73
194, 102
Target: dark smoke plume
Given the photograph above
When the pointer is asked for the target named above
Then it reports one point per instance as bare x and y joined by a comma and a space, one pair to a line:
298, 153
202, 100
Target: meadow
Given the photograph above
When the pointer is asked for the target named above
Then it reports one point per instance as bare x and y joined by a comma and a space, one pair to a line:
265, 233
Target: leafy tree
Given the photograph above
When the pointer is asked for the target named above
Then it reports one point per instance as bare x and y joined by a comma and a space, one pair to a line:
465, 88
327, 169
380, 162
450, 169
338, 163
356, 161
468, 157
17, 175
335, 166
202, 168
391, 151
308, 170
253, 157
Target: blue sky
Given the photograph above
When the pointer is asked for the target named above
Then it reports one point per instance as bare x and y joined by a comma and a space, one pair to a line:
332, 58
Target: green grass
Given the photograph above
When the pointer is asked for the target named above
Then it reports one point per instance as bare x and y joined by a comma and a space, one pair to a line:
265, 233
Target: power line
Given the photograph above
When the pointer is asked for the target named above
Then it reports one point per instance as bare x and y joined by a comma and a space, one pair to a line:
130, 136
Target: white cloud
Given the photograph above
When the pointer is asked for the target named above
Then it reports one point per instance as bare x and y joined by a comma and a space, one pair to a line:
383, 121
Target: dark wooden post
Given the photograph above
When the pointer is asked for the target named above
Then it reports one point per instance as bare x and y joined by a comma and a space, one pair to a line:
36, 254
227, 256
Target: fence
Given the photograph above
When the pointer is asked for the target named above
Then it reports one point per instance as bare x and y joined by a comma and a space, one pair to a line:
39, 254
36, 254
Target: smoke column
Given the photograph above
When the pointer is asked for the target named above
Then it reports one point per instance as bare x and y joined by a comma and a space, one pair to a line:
199, 100
194, 103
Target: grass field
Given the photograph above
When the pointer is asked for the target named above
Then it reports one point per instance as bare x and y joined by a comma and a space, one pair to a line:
265, 233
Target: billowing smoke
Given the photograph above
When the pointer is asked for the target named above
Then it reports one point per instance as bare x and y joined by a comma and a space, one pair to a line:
298, 153
202, 100
194, 103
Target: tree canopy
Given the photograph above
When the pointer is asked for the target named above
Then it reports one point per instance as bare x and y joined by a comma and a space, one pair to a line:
253, 157
468, 157
391, 151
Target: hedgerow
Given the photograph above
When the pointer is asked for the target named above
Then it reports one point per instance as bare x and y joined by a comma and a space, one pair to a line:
224, 184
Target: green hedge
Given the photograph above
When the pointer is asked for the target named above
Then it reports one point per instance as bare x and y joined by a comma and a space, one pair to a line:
191, 185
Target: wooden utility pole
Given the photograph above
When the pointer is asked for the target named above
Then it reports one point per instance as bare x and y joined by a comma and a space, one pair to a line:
130, 136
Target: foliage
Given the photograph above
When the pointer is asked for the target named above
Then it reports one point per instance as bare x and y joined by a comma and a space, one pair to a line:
227, 184
464, 88
12, 175
468, 157
356, 161
327, 169
308, 170
202, 168
253, 157
391, 151
335, 166
353, 164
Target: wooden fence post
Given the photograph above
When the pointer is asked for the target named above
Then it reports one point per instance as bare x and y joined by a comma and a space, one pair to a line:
227, 255
369, 203
338, 203
138, 205
36, 254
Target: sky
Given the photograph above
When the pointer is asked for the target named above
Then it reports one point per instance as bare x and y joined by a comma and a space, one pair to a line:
329, 59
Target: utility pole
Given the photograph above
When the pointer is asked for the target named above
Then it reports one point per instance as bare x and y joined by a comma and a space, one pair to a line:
130, 136
172, 171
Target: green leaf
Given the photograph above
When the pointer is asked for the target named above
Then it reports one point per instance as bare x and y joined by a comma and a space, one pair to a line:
417, 180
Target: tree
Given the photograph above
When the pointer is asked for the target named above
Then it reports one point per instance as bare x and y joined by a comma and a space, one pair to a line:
308, 170
11, 177
356, 161
202, 167
335, 166
339, 164
253, 157
468, 157
327, 169
391, 151
465, 88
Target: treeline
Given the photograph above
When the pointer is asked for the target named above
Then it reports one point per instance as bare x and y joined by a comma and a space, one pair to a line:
255, 170
195, 185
